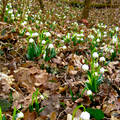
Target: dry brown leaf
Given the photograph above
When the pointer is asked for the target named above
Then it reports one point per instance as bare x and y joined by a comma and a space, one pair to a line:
31, 77
29, 115
53, 116
5, 85
62, 89
71, 70
115, 115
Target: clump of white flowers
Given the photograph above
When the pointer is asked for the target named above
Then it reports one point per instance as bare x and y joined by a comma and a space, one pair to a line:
95, 55
85, 67
85, 115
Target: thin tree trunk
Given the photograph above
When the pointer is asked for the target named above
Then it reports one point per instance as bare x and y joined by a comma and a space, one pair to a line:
41, 4
85, 13
4, 3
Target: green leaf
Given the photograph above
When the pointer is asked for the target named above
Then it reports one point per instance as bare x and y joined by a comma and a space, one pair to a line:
96, 113
3, 118
1, 52
76, 109
0, 114
14, 114
72, 95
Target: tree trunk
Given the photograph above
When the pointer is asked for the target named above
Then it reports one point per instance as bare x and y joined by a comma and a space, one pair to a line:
109, 1
41, 4
4, 4
85, 13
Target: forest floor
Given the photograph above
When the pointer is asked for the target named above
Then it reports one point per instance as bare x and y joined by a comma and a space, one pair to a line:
50, 86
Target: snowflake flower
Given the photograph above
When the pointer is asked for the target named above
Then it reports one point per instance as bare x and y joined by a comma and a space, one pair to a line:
43, 42
85, 115
102, 59
20, 115
35, 34
102, 70
85, 67
47, 34
31, 40
50, 46
89, 92
95, 55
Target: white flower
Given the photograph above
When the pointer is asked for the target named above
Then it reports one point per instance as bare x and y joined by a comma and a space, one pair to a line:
18, 15
47, 34
81, 39
12, 16
69, 117
106, 49
96, 64
111, 51
20, 115
85, 115
37, 21
64, 47
91, 36
43, 42
105, 26
31, 40
59, 35
95, 55
85, 67
98, 40
35, 34
68, 36
29, 28
10, 11
42, 97
82, 31
24, 23
27, 33
41, 23
44, 55
50, 46
117, 28
99, 34
81, 35
102, 59
96, 74
6, 9
114, 39
87, 81
89, 92
102, 70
